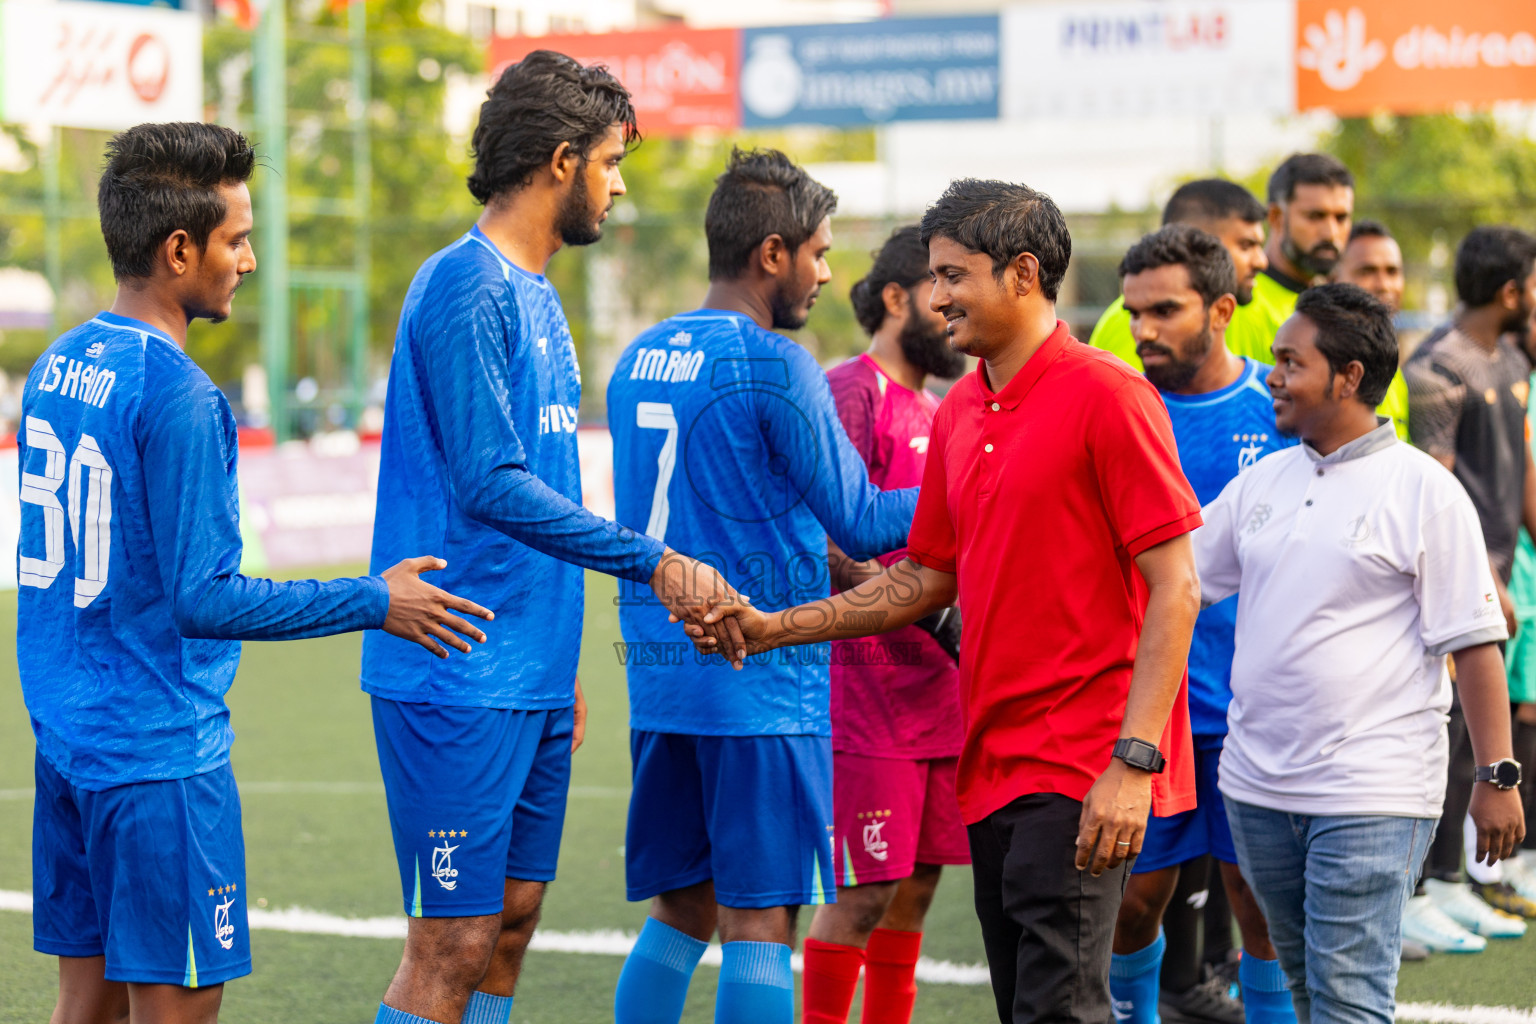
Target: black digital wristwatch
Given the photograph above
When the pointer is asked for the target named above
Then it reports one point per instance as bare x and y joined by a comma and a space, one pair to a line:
1144, 755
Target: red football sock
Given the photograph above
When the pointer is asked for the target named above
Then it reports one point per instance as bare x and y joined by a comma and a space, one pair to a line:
831, 976
890, 984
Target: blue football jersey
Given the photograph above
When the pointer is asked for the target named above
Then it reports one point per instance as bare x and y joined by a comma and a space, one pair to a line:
727, 445
479, 466
1219, 435
132, 603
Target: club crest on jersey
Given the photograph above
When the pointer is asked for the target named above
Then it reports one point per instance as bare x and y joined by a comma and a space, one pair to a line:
874, 843
442, 866
1251, 450
223, 929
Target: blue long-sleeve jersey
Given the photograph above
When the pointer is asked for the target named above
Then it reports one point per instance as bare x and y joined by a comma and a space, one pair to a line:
479, 465
1219, 435
131, 603
727, 445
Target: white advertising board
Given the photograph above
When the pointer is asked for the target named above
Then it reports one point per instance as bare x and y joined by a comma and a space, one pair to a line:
1129, 58
99, 65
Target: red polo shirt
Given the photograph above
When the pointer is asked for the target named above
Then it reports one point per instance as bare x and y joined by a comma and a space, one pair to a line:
1038, 498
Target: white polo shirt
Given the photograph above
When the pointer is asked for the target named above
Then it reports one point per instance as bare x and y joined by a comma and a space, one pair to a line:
1357, 572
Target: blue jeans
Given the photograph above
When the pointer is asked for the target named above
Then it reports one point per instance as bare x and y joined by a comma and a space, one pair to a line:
1333, 890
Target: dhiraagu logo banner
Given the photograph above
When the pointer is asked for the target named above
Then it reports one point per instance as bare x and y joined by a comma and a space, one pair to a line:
901, 69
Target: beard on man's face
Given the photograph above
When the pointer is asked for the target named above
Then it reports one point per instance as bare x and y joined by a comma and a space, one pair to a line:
928, 349
577, 220
790, 306
1518, 323
1317, 261
1182, 365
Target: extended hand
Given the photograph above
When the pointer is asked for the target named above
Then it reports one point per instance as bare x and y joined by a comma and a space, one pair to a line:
690, 590
756, 630
418, 611
1499, 819
1114, 818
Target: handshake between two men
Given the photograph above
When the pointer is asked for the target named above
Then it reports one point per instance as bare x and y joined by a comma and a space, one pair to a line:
719, 620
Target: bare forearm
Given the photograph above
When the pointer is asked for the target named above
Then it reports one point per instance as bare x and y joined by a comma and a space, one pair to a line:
847, 573
898, 596
1173, 601
1484, 701
1528, 506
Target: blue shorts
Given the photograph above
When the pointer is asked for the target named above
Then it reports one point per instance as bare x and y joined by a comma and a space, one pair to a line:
150, 875
1183, 837
753, 813
476, 796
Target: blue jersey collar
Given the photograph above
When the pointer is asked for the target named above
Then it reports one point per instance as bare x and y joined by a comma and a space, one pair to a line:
1253, 373
480, 236
128, 323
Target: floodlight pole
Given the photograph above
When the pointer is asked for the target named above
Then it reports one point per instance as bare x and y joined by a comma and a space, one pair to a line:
53, 226
362, 192
272, 226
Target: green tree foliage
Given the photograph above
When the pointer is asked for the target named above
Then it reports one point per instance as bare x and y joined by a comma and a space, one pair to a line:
1439, 175
418, 201
87, 286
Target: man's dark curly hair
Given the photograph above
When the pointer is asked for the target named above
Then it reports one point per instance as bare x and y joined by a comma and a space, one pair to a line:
541, 101
1353, 326
161, 178
1002, 220
1211, 273
762, 193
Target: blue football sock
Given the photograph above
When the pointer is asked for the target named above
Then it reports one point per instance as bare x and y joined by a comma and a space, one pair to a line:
485, 1008
1133, 985
390, 1015
1266, 999
654, 982
756, 984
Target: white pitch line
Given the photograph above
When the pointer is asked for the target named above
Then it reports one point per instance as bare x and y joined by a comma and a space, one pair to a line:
599, 943
609, 942
1444, 1013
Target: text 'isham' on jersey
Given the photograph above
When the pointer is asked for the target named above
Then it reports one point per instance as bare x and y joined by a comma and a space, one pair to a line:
84, 381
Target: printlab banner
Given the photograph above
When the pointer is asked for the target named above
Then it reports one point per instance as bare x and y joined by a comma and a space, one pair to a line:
99, 65
899, 69
1133, 58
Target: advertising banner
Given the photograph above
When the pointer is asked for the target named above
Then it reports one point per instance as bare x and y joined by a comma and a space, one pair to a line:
1413, 56
681, 79
99, 65
1130, 58
871, 72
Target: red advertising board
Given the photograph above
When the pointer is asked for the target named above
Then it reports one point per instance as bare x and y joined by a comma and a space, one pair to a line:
681, 79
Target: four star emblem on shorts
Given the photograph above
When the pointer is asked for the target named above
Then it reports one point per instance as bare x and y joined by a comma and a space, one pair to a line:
221, 890
440, 834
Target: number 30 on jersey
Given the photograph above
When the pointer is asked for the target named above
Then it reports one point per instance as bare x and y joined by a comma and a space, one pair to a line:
90, 520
